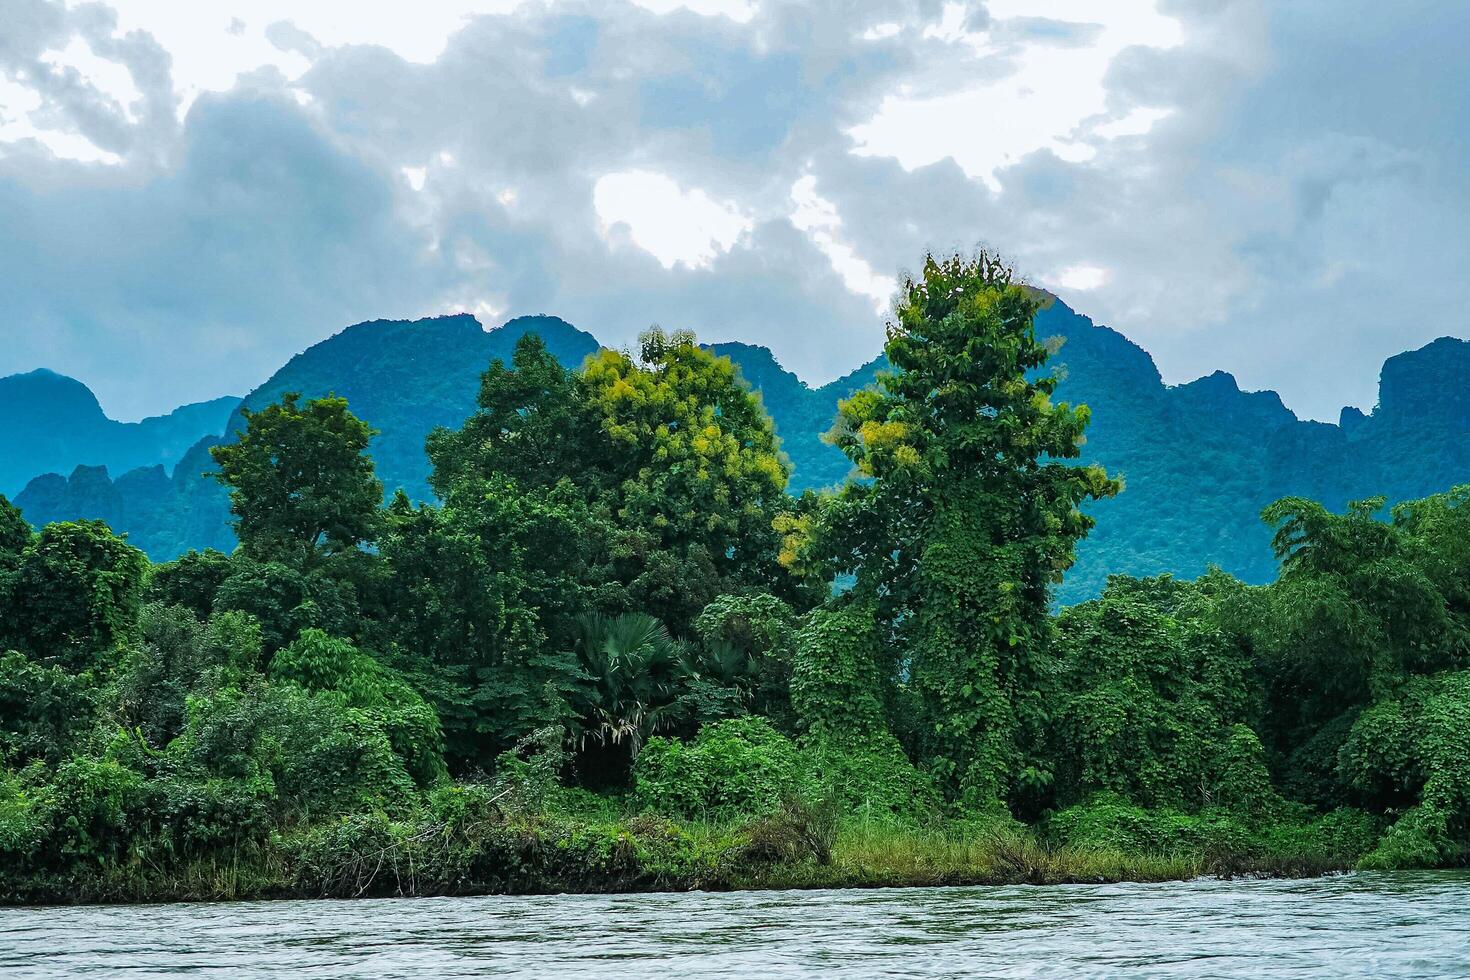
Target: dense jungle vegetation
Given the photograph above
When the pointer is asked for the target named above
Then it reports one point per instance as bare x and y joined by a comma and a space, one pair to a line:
617, 654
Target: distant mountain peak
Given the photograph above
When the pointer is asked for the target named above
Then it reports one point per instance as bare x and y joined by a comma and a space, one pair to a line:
1220, 392
1429, 381
44, 395
50, 422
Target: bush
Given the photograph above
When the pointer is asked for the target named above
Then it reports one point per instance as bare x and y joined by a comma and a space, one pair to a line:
1415, 748
336, 669
44, 711
798, 831
737, 768
309, 753
875, 782
1108, 822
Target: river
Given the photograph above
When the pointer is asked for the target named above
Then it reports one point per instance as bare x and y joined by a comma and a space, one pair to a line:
1374, 925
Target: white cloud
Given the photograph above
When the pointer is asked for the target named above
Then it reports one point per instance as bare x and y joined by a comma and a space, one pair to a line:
107, 76
1039, 105
818, 217
671, 224
264, 197
739, 11
1081, 277
1137, 122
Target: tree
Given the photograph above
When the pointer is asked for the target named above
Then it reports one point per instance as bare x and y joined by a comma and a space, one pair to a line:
44, 711
673, 456
693, 456
633, 691
484, 595
969, 514
74, 596
747, 644
1358, 607
15, 533
301, 485
533, 426
1147, 695
332, 667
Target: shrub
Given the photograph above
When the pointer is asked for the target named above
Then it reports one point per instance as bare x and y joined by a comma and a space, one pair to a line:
44, 711
877, 782
1108, 822
798, 831
334, 668
741, 767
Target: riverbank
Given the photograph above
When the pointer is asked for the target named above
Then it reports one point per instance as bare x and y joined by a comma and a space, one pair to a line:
467, 853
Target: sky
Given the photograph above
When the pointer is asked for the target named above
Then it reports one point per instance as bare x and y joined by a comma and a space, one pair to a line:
191, 193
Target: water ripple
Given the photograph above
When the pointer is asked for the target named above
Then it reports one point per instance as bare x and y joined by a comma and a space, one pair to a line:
1369, 925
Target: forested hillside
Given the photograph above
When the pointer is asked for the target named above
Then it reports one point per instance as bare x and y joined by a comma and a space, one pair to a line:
1199, 460
609, 654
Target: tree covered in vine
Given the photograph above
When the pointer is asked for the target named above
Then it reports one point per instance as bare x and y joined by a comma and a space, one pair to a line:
969, 514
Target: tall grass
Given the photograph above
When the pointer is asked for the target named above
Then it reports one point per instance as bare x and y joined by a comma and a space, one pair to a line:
798, 847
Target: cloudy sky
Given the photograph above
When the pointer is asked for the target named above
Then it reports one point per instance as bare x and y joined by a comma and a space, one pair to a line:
190, 193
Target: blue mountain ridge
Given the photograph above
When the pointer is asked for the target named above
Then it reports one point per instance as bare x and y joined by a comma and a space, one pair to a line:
1199, 460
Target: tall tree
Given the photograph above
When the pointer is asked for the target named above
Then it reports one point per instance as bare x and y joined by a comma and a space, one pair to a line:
969, 514
301, 484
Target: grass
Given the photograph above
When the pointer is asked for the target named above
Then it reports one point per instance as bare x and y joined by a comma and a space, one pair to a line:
600, 851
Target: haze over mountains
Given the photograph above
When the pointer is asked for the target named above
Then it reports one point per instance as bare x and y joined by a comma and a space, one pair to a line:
52, 422
1200, 460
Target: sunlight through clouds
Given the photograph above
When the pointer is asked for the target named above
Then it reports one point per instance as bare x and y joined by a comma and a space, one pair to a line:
1054, 88
818, 217
671, 224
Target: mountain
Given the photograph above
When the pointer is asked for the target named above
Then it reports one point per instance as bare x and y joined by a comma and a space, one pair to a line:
406, 377
52, 423
802, 413
1200, 460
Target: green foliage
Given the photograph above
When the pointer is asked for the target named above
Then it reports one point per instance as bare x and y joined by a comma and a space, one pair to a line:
285, 600
612, 608
310, 755
836, 686
1414, 748
633, 670
485, 594
873, 780
971, 515
300, 483
176, 656
673, 458
736, 768
15, 533
191, 581
1153, 702
1220, 839
528, 776
335, 669
746, 640
44, 711
73, 597
837, 691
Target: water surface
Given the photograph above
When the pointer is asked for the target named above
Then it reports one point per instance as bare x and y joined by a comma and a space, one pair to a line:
1352, 925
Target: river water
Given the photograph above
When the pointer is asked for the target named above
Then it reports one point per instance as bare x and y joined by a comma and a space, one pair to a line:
1366, 925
